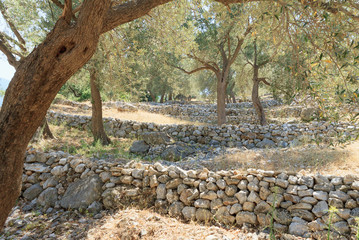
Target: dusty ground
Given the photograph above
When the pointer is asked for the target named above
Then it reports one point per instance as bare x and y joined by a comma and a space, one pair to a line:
139, 116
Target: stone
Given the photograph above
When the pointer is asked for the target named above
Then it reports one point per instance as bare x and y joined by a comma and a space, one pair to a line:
344, 213
203, 215
221, 183
161, 191
137, 173
51, 182
341, 227
175, 209
334, 202
80, 168
161, 206
305, 193
95, 207
263, 219
307, 181
253, 197
189, 213
320, 208
82, 193
339, 195
230, 200
241, 196
262, 207
202, 203
235, 208
36, 167
174, 183
249, 206
230, 190
246, 217
299, 229
351, 203
216, 203
223, 216
310, 200
303, 214
105, 176
188, 195
264, 193
177, 152
32, 192
253, 187
282, 216
48, 197
210, 195
282, 183
156, 138
304, 206
320, 195
266, 143
355, 185
58, 171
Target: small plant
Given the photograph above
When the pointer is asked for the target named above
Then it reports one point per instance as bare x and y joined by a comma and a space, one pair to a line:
332, 210
272, 214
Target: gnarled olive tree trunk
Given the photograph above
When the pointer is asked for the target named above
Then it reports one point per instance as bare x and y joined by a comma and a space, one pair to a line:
35, 84
97, 128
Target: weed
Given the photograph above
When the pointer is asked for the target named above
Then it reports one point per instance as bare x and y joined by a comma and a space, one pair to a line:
332, 210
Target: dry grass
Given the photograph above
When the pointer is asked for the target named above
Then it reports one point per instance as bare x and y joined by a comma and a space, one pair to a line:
143, 224
333, 161
139, 116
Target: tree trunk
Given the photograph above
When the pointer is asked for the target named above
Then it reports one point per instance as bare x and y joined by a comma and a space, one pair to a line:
153, 96
43, 131
162, 98
35, 84
256, 100
233, 97
170, 96
221, 101
97, 128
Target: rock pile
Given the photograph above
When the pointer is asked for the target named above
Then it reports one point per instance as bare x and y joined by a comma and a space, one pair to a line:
297, 204
248, 135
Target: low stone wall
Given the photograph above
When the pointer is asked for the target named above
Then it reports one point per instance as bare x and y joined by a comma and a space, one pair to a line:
248, 135
298, 204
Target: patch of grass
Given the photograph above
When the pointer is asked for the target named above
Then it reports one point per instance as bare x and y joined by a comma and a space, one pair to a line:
76, 141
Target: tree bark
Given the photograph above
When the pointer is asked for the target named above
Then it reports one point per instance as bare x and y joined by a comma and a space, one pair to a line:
97, 128
255, 97
233, 97
170, 96
162, 98
35, 84
221, 100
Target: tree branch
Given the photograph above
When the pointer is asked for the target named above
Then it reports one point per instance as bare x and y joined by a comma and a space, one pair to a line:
10, 57
21, 40
190, 72
205, 63
264, 81
239, 44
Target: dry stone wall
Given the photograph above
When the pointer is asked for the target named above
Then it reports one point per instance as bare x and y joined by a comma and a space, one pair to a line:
248, 135
298, 204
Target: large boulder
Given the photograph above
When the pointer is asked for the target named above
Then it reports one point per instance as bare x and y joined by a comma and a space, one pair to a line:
176, 152
156, 138
139, 147
82, 193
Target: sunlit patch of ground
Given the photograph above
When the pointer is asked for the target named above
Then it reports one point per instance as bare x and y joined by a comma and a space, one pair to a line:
143, 224
138, 116
340, 160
